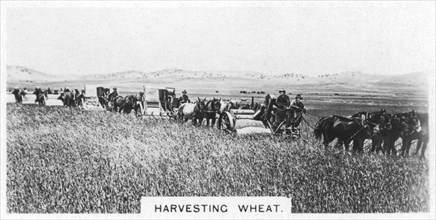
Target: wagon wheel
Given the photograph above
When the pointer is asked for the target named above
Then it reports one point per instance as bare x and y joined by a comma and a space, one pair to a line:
226, 122
295, 135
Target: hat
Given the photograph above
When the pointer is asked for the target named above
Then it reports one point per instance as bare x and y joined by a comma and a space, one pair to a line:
282, 90
298, 96
184, 91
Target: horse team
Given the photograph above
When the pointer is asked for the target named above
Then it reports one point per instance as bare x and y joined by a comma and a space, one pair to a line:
382, 128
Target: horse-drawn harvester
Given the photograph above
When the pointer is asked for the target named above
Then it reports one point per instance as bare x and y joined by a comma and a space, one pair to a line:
158, 102
243, 121
91, 99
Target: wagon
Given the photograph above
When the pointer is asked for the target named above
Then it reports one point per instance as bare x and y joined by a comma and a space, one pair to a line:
247, 121
159, 102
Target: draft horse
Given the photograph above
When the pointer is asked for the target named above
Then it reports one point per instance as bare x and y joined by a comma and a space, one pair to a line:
40, 97
415, 127
124, 104
343, 128
212, 108
193, 111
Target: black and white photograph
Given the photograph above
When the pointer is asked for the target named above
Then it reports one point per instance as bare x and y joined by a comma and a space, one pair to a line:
218, 109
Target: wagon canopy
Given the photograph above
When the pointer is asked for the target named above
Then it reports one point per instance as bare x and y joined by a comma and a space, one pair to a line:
157, 101
91, 101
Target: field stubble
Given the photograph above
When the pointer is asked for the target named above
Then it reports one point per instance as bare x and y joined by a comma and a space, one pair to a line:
62, 160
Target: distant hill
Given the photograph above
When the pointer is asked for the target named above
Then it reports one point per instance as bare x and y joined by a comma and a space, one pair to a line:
20, 73
183, 74
23, 74
412, 79
352, 77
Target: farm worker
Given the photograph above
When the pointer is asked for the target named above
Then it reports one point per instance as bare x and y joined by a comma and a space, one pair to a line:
282, 103
184, 98
296, 108
112, 96
24, 92
17, 94
80, 97
68, 97
141, 100
141, 97
38, 91
114, 93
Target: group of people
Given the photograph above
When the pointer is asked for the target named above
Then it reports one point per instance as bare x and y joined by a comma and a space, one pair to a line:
289, 110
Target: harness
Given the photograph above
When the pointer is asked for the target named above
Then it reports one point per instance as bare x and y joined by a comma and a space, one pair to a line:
212, 106
363, 127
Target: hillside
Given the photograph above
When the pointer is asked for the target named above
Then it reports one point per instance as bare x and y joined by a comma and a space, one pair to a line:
412, 79
20, 74
352, 77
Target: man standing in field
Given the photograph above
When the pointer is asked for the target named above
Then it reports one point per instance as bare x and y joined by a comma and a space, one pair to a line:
297, 108
282, 103
184, 98
140, 103
80, 98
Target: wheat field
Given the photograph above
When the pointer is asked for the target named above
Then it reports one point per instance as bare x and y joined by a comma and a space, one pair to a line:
66, 160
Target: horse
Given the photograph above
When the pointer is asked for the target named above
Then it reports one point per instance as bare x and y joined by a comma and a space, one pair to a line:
40, 97
343, 128
18, 96
193, 111
211, 109
124, 104
413, 130
377, 123
225, 106
394, 131
67, 98
104, 102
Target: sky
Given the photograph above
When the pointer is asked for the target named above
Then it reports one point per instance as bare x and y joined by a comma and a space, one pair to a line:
308, 38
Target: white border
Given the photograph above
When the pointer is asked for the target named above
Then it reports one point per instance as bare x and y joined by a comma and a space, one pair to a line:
116, 4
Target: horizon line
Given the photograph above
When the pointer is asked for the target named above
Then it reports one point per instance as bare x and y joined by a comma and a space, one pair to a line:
219, 71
